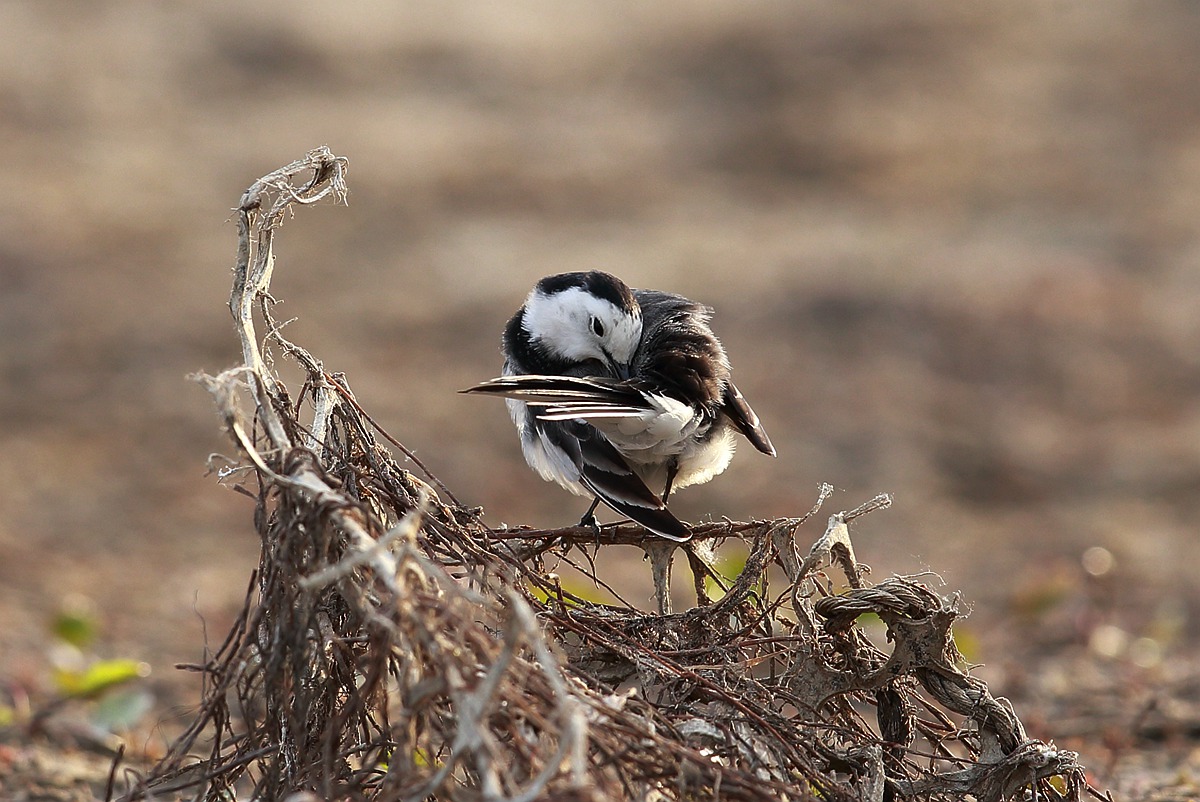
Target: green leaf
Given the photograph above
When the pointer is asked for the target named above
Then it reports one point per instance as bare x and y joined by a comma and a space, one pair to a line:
99, 677
730, 567
870, 620
75, 626
585, 591
967, 643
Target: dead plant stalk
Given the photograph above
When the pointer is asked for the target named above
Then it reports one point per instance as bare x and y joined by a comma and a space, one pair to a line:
393, 647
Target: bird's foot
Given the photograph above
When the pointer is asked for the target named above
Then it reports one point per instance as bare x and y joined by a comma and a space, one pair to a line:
589, 521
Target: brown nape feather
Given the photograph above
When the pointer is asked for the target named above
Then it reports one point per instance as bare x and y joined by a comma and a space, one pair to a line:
687, 376
686, 363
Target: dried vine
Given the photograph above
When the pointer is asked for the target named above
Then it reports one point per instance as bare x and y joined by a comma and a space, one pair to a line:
393, 647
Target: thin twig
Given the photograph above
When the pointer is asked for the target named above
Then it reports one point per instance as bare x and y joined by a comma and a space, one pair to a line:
391, 647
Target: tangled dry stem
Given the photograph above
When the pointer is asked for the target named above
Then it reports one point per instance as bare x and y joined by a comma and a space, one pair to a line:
393, 647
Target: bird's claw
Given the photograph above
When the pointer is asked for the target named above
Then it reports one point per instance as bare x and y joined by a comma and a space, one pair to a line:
589, 521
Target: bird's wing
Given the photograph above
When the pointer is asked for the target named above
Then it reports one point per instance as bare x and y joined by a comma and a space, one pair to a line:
564, 403
745, 419
569, 397
630, 416
605, 473
587, 412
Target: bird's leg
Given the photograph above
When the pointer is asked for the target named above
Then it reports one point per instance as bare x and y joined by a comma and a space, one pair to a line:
661, 552
589, 517
589, 520
672, 469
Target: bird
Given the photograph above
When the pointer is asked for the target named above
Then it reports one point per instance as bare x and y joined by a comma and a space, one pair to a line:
621, 394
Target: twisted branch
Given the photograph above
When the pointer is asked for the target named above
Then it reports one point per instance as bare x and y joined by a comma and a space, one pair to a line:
392, 646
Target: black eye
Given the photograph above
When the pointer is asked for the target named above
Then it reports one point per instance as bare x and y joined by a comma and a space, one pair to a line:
597, 327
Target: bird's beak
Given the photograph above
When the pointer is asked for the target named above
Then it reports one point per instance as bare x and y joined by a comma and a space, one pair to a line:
621, 371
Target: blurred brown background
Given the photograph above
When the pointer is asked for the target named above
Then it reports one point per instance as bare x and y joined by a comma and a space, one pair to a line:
951, 248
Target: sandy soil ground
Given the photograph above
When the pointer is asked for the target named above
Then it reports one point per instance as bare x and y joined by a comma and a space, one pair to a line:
952, 250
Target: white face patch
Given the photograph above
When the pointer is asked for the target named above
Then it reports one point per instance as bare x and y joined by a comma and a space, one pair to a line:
578, 326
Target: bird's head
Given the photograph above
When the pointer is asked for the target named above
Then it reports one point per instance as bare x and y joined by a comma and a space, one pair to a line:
582, 317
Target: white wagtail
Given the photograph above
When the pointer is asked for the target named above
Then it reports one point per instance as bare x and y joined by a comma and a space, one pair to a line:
617, 393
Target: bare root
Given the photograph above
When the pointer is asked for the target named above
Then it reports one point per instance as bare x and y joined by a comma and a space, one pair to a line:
393, 647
